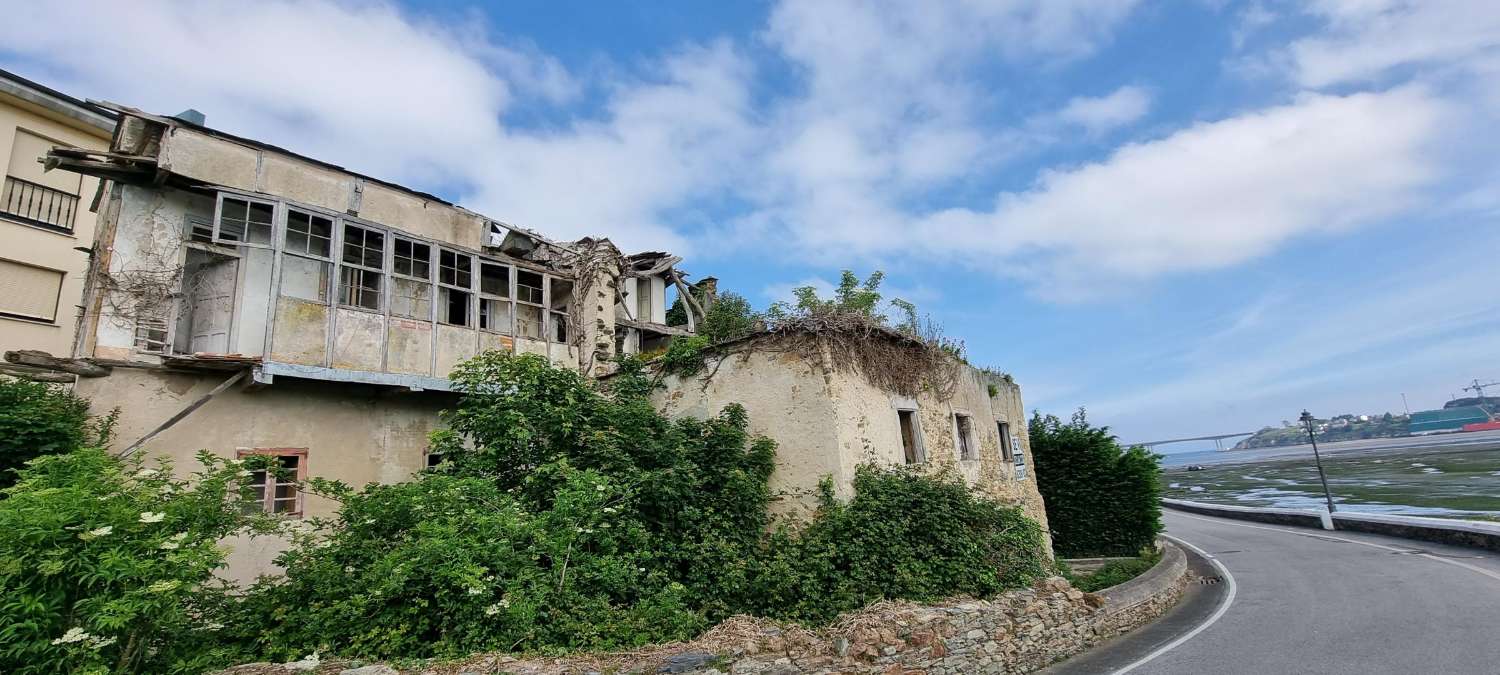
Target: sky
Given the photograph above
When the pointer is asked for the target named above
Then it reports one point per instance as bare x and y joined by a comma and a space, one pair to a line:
1190, 217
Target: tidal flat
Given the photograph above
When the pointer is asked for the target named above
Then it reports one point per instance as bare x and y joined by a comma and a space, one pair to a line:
1454, 483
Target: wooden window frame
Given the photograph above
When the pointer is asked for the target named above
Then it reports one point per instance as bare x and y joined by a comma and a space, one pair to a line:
268, 502
966, 445
218, 232
361, 268
471, 316
482, 296
541, 305
428, 281
919, 449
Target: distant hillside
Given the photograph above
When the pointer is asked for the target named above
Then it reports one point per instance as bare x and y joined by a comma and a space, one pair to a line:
1337, 428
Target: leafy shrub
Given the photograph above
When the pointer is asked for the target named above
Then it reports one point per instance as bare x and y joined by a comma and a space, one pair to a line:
568, 518
37, 419
1114, 572
107, 566
904, 535
1101, 498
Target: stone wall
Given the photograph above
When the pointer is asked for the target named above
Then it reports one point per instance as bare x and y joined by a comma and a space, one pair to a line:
1017, 632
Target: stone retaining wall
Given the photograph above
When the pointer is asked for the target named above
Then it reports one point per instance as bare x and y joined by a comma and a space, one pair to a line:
1018, 632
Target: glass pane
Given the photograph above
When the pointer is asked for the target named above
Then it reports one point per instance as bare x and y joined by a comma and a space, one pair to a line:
354, 244
494, 315
359, 288
285, 506
234, 209
494, 280
304, 278
374, 250
529, 321
562, 294
559, 327
286, 491
411, 299
529, 287
260, 213
260, 233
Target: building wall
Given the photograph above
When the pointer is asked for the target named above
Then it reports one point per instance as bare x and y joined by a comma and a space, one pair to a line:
827, 421
357, 434
789, 400
41, 247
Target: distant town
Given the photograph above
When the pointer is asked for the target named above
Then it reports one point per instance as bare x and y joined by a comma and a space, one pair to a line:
1476, 413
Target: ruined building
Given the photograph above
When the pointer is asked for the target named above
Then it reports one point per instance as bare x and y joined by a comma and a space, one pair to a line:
243, 299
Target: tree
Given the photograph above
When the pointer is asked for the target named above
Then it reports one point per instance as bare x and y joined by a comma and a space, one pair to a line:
38, 419
1101, 498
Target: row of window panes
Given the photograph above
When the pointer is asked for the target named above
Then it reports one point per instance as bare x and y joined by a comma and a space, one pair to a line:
310, 236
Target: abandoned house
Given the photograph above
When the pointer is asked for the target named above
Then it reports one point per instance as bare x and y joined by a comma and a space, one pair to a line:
246, 300
833, 401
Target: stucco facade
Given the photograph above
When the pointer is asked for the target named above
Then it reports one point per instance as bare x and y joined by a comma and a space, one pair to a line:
44, 216
827, 419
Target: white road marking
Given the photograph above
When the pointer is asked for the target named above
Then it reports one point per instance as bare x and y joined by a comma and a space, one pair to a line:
1223, 607
1320, 535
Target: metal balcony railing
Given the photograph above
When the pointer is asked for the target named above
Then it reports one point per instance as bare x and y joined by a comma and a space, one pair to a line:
38, 204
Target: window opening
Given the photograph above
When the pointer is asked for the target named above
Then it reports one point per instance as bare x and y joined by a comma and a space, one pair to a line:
244, 221
411, 279
273, 488
308, 234
455, 277
495, 311
529, 309
1005, 448
909, 439
360, 272
560, 298
966, 448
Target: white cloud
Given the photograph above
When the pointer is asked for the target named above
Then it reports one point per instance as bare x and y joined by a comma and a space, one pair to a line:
411, 99
1367, 39
1106, 113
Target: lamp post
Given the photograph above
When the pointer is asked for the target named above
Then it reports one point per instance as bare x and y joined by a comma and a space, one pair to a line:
1307, 421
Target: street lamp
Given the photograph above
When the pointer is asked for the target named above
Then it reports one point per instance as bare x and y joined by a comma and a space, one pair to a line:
1307, 421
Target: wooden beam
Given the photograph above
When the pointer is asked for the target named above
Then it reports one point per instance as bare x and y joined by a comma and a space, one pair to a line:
36, 374
40, 359
173, 420
687, 300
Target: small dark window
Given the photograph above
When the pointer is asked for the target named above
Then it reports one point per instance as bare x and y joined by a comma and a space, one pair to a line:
309, 234
455, 269
529, 287
413, 259
364, 247
453, 307
909, 439
1005, 450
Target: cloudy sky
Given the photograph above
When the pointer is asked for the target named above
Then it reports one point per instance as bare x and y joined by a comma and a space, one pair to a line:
1190, 216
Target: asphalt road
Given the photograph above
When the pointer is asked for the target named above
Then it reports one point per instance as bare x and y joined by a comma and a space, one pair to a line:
1307, 601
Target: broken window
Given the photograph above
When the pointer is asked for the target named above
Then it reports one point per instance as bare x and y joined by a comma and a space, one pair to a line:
455, 277
560, 297
151, 334
308, 234
1005, 449
360, 272
273, 480
530, 313
911, 443
494, 297
244, 221
411, 279
965, 427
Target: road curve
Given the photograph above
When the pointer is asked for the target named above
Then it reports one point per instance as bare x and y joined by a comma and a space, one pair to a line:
1308, 601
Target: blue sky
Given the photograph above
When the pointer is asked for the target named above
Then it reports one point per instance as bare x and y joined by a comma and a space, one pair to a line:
1190, 217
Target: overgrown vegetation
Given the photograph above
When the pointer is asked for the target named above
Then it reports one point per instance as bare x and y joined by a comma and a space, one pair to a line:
564, 517
106, 566
1101, 498
1113, 573
39, 419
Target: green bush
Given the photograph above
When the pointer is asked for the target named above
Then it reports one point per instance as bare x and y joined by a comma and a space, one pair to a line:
568, 518
1114, 572
37, 419
106, 566
904, 535
1102, 499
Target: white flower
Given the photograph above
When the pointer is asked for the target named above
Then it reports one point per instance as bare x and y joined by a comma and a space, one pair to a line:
179, 536
100, 643
74, 634
168, 546
610, 509
146, 473
348, 569
100, 532
242, 474
599, 487
164, 586
474, 590
492, 609
149, 517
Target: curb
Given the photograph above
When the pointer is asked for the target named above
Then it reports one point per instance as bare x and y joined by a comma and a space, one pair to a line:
1473, 534
1166, 573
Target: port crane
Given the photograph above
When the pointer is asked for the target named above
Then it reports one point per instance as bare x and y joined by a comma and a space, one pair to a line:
1478, 387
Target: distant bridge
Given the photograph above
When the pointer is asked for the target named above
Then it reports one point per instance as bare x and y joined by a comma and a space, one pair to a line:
1218, 440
